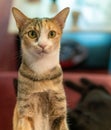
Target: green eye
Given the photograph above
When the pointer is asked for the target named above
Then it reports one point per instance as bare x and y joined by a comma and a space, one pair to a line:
52, 34
32, 34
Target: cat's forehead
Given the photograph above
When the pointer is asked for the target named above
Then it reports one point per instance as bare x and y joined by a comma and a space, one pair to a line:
38, 23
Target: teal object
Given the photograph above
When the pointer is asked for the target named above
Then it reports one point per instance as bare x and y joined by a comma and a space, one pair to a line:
98, 45
110, 62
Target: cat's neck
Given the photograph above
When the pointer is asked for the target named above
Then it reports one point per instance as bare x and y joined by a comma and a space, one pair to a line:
51, 74
41, 65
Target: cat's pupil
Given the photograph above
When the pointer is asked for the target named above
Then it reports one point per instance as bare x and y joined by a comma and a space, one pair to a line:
33, 33
51, 33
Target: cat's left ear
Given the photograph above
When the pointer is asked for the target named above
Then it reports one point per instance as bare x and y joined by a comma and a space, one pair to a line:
61, 17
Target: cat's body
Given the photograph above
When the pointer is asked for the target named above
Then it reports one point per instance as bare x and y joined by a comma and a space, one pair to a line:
41, 101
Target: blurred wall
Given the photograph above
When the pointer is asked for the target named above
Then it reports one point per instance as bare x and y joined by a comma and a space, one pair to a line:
7, 44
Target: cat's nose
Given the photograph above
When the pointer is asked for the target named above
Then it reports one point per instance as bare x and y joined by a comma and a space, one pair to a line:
42, 45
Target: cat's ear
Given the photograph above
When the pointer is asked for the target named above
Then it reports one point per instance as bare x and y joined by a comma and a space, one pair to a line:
61, 17
20, 18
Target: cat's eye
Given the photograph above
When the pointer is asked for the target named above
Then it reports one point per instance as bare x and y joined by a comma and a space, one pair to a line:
32, 34
51, 34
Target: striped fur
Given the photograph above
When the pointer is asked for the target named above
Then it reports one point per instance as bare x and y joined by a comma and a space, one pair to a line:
41, 101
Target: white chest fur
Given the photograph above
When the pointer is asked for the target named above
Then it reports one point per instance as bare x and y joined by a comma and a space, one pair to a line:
41, 64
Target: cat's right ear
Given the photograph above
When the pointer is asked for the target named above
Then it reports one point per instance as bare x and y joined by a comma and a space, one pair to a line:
20, 18
61, 17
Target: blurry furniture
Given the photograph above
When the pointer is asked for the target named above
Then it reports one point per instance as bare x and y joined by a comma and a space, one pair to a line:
98, 46
7, 99
72, 96
75, 18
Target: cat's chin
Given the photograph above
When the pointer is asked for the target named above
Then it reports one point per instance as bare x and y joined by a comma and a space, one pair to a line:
41, 54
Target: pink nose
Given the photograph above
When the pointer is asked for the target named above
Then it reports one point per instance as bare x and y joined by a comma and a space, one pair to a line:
42, 45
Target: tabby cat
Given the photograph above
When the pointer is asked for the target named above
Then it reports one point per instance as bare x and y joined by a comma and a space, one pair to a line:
41, 101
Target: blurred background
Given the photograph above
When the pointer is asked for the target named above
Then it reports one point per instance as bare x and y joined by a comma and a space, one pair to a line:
85, 44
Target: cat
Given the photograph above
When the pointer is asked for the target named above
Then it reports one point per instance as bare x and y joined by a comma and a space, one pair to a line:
41, 101
93, 112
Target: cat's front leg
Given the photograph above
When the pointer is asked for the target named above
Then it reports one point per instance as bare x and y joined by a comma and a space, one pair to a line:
64, 125
60, 123
22, 123
15, 118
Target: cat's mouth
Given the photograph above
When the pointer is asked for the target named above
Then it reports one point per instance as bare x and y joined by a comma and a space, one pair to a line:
42, 52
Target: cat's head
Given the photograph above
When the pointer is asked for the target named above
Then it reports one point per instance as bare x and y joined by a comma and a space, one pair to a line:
40, 36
